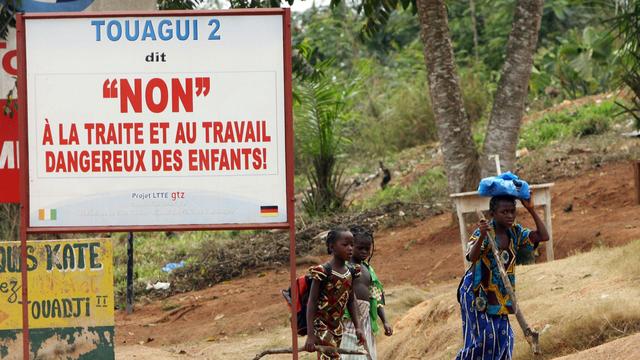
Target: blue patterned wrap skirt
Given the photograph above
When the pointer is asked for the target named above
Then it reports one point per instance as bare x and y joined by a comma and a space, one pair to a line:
486, 337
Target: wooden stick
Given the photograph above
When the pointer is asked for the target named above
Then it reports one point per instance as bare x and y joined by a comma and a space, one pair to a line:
366, 348
322, 348
129, 299
636, 177
532, 336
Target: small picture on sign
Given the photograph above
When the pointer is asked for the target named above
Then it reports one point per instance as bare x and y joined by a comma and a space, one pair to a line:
48, 214
269, 210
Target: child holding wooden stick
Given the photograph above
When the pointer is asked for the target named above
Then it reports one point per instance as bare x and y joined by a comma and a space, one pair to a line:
331, 292
484, 301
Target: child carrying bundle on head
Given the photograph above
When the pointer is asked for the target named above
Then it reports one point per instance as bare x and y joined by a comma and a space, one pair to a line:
330, 294
483, 297
369, 298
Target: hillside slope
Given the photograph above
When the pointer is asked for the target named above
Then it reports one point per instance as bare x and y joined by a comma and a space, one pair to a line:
625, 348
580, 302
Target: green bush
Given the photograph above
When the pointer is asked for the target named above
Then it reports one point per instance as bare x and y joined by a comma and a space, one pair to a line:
595, 120
590, 126
591, 119
541, 132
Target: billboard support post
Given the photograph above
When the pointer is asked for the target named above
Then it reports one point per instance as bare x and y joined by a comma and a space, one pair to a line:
24, 189
291, 205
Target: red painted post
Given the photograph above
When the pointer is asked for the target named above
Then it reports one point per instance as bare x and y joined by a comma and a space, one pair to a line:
24, 188
291, 205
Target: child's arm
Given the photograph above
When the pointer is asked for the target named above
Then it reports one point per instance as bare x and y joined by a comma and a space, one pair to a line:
388, 330
355, 317
474, 251
540, 234
312, 305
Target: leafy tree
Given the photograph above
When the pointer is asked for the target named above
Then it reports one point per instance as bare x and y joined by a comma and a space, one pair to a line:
492, 24
178, 4
461, 158
8, 16
582, 64
331, 34
627, 26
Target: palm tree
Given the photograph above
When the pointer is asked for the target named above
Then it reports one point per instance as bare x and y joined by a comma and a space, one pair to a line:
321, 122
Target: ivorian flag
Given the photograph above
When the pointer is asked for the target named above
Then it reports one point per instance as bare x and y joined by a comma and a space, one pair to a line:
47, 214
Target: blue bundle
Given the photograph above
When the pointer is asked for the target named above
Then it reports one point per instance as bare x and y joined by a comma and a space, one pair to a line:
504, 184
172, 266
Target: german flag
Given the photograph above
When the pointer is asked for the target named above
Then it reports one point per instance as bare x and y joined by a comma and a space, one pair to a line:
271, 210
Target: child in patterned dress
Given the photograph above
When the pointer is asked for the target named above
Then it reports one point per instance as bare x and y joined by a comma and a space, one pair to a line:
330, 294
484, 301
369, 295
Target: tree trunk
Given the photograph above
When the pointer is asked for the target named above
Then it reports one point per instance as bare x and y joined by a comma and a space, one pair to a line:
509, 101
454, 130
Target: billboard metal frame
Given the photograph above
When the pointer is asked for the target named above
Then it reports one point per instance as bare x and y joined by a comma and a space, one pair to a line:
26, 229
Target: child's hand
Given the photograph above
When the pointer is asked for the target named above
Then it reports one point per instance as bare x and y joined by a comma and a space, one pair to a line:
310, 344
388, 330
361, 339
528, 204
483, 225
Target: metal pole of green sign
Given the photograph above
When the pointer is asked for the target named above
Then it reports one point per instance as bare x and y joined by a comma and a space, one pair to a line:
130, 273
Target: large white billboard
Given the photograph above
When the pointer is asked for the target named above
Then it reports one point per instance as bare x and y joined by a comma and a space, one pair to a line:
156, 120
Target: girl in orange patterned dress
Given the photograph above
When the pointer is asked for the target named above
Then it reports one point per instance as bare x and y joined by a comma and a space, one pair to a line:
331, 292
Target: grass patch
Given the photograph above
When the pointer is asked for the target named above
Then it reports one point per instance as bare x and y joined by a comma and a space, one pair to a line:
591, 119
152, 251
400, 300
9, 221
168, 306
573, 156
428, 188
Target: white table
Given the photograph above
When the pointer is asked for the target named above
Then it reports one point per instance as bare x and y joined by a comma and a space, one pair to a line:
470, 202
